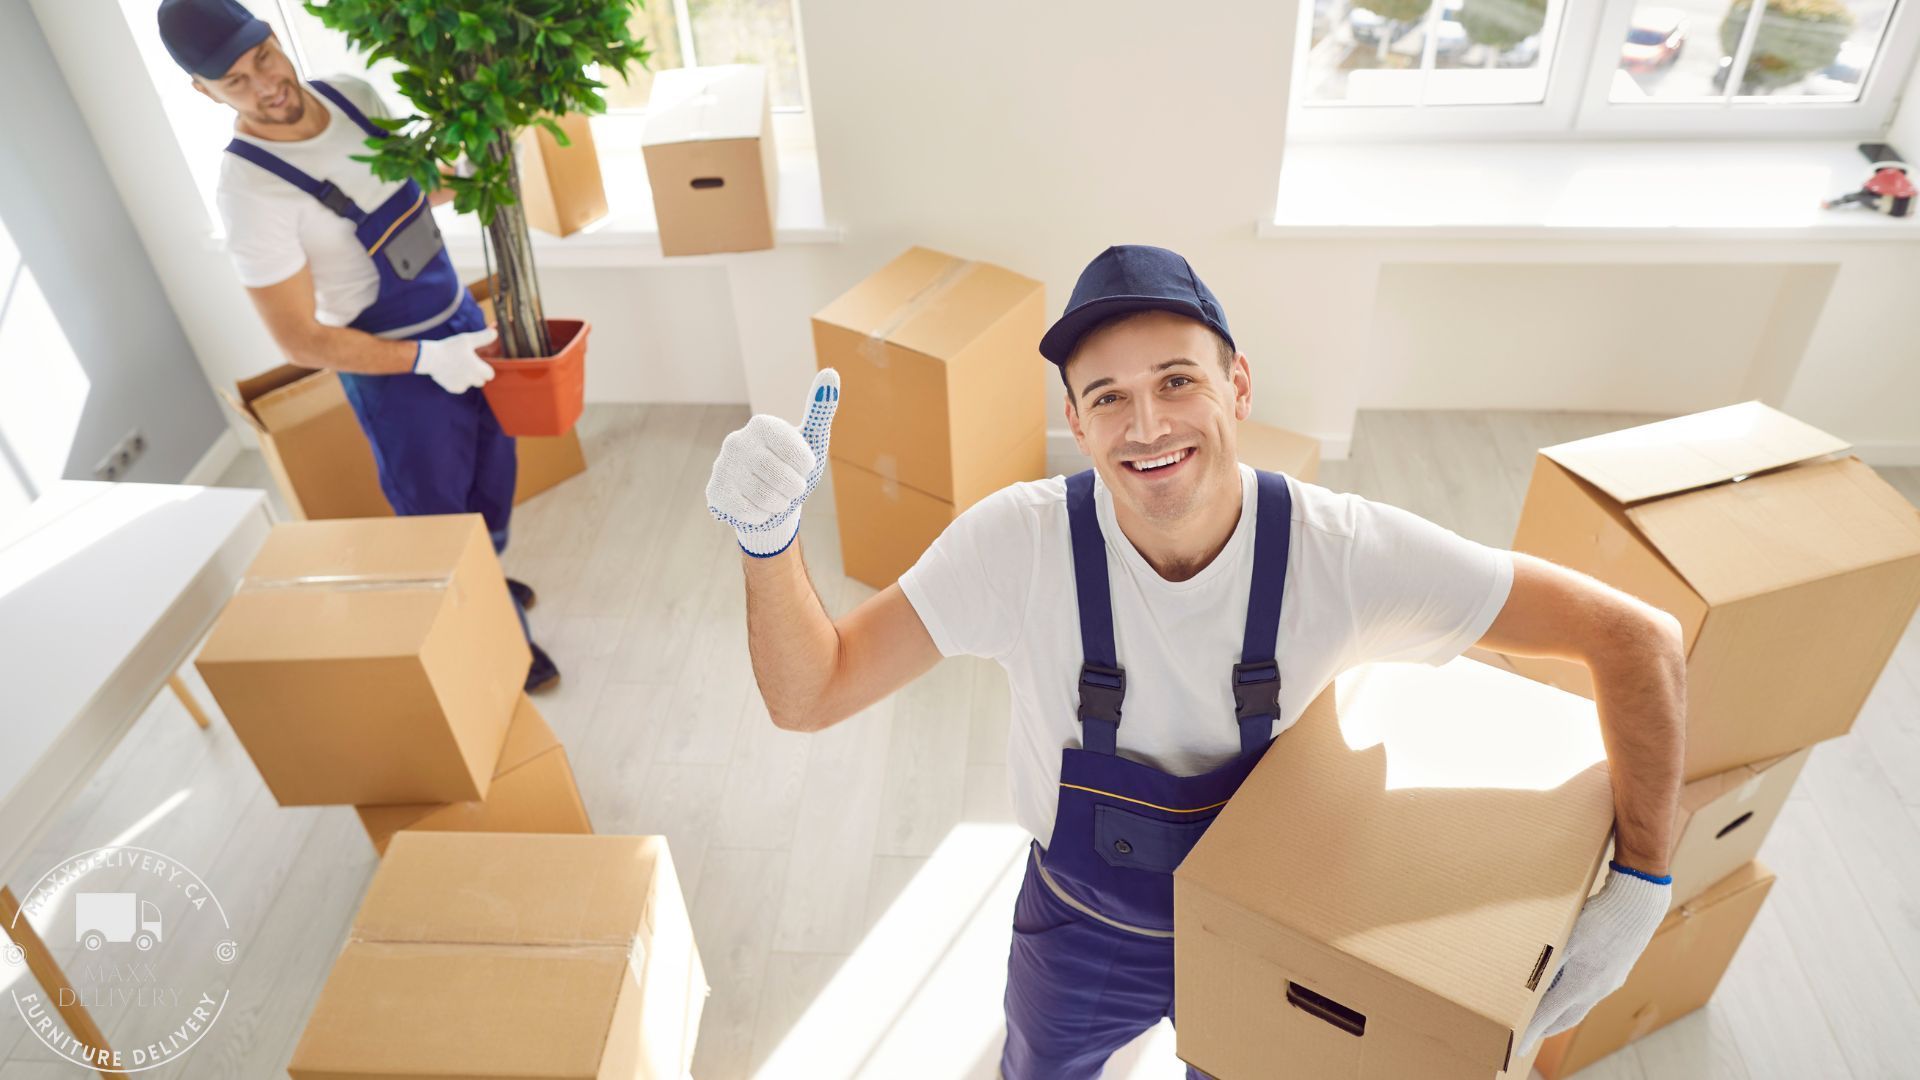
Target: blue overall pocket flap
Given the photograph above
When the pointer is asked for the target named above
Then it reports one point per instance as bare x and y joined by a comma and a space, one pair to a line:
1138, 842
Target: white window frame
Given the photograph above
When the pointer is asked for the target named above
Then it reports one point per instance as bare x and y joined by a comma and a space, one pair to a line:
1577, 104
690, 55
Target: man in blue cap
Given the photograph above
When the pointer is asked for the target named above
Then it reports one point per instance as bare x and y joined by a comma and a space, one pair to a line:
349, 273
1144, 611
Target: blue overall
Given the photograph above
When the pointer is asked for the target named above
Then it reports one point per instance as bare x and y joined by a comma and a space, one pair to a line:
436, 453
1092, 960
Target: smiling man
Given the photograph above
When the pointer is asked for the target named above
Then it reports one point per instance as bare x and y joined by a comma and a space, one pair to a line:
1163, 618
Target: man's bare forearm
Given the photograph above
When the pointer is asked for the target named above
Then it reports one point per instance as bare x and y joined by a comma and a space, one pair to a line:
340, 348
791, 638
1640, 689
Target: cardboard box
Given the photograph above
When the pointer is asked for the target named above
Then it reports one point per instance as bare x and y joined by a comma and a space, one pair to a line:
1383, 896
940, 374
1279, 450
885, 525
1792, 568
370, 661
533, 792
711, 159
1676, 975
512, 955
1723, 819
560, 186
312, 443
545, 461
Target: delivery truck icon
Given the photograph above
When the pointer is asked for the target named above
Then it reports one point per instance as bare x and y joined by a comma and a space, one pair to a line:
100, 917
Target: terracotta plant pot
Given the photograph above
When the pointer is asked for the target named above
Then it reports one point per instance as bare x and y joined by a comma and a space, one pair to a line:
543, 395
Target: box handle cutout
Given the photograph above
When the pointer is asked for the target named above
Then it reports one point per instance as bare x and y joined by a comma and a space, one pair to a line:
1539, 966
702, 183
1734, 824
1326, 1009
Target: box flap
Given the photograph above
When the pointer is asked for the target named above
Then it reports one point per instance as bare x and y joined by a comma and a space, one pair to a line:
390, 549
1750, 876
1438, 826
528, 737
308, 395
511, 889
1692, 451
701, 104
1708, 790
1781, 529
929, 302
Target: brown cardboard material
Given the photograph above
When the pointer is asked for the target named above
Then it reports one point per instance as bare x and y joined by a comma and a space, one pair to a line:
533, 792
1676, 975
370, 661
311, 441
1723, 819
1792, 574
1279, 450
885, 525
544, 461
1342, 917
711, 160
940, 373
560, 186
494, 955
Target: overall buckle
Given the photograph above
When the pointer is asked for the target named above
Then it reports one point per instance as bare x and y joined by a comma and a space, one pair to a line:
334, 199
1101, 691
1256, 689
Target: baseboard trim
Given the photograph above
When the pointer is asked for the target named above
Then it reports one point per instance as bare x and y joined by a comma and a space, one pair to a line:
224, 452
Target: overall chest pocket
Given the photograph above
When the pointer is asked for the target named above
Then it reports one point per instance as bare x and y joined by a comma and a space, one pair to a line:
1137, 842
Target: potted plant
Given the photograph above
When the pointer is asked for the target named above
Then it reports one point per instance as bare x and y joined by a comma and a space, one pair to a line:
479, 73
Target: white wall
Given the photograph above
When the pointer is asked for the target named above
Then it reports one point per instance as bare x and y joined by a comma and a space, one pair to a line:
1034, 135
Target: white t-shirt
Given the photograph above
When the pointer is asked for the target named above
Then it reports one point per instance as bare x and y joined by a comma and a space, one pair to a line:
273, 228
1365, 581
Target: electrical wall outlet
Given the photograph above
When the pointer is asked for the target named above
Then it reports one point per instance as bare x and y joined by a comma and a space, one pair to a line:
121, 457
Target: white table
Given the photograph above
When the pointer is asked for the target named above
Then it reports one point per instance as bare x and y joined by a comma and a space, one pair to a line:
105, 590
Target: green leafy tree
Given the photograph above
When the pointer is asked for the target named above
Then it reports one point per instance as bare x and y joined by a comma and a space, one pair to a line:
478, 72
1398, 13
1502, 24
1796, 37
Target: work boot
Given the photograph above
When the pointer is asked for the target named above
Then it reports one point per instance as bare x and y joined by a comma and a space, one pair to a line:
523, 594
543, 675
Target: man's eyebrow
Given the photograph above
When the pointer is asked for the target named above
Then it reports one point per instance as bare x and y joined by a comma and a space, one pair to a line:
1161, 366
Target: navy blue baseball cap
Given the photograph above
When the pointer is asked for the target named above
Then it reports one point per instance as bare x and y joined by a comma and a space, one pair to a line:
206, 36
1126, 278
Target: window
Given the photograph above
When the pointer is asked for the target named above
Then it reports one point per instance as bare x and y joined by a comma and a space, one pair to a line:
1506, 68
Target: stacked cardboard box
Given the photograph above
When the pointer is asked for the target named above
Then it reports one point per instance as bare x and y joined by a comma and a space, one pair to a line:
944, 401
1279, 450
1362, 908
378, 663
1793, 570
497, 955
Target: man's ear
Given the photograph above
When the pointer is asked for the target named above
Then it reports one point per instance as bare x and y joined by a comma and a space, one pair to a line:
203, 91
1073, 424
1242, 387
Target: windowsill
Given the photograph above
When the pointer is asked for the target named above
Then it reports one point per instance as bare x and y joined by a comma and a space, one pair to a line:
1579, 190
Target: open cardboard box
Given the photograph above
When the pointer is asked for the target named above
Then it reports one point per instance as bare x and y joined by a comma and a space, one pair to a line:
1387, 893
1792, 567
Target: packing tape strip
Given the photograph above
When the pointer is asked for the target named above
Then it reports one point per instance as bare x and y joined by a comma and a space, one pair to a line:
1745, 792
1644, 1021
347, 581
889, 472
873, 349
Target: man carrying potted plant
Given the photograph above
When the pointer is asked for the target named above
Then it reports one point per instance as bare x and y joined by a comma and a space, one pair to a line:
349, 272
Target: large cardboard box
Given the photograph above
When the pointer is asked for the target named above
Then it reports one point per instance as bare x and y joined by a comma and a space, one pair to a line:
1385, 895
1792, 567
1723, 819
560, 186
885, 525
940, 373
1279, 450
533, 792
711, 161
312, 442
370, 661
1676, 975
486, 955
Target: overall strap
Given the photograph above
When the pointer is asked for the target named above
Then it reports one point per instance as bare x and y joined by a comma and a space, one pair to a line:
353, 114
330, 196
1256, 678
1102, 683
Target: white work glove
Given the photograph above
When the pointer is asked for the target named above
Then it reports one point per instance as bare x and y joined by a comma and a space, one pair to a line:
1612, 931
454, 362
768, 468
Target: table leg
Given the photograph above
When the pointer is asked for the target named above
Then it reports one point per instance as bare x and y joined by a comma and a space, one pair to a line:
47, 971
185, 695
